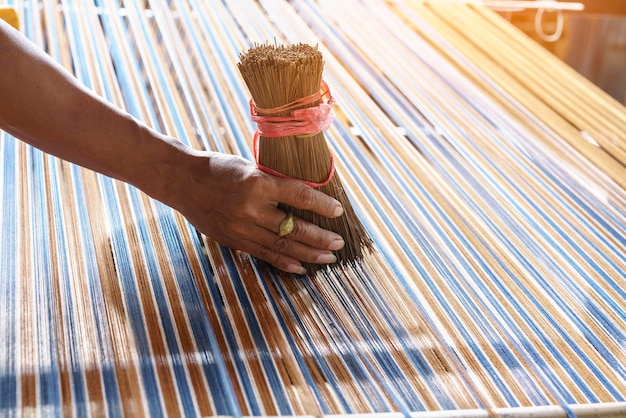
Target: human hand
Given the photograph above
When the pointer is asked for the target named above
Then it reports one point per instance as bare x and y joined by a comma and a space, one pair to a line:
224, 197
232, 202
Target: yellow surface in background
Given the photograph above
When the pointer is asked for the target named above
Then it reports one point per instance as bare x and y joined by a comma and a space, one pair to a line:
9, 15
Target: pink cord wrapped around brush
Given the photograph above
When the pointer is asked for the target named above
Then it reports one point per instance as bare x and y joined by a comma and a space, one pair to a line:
300, 123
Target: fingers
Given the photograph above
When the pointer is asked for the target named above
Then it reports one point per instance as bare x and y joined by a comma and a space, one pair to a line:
278, 260
301, 196
305, 232
307, 243
312, 236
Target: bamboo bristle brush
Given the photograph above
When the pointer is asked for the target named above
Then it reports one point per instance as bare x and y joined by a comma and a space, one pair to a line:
281, 80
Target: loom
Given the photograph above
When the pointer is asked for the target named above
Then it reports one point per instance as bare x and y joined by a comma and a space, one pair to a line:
490, 176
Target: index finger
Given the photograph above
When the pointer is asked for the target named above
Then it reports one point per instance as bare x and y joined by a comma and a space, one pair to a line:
301, 196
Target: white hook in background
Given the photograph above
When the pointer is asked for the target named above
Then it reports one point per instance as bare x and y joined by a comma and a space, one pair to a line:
539, 26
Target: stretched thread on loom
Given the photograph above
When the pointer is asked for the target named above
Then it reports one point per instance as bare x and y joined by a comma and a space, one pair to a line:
313, 313
285, 75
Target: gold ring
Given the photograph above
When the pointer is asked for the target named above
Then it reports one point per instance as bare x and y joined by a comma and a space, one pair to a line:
286, 226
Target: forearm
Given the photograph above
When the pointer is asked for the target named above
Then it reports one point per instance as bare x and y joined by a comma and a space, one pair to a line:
44, 105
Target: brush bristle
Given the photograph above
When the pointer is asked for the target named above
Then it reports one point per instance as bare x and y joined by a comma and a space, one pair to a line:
277, 75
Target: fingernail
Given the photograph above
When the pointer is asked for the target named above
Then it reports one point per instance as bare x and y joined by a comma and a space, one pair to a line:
326, 259
337, 244
296, 268
338, 211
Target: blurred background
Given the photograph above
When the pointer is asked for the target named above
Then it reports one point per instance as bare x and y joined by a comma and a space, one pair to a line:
592, 41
